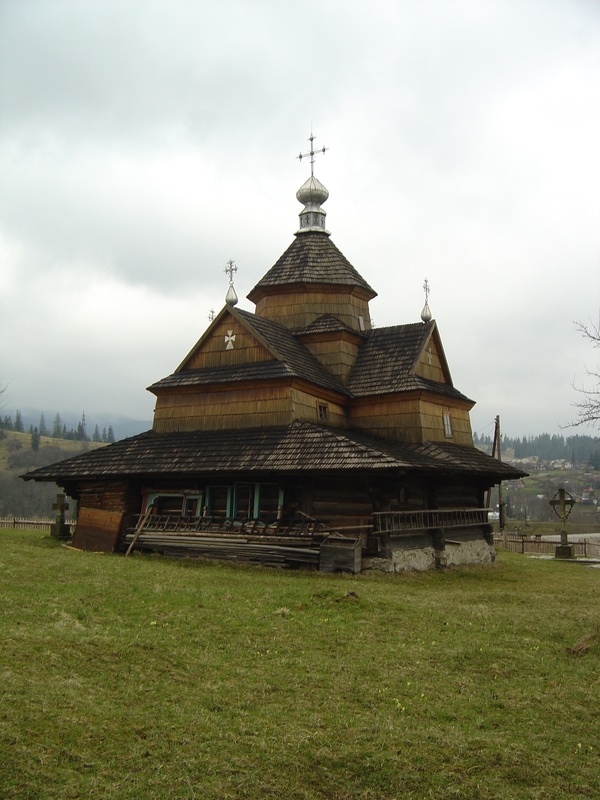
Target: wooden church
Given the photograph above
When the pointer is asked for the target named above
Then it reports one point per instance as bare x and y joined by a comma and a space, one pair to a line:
298, 435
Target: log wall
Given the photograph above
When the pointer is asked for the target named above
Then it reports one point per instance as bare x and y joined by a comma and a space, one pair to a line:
119, 497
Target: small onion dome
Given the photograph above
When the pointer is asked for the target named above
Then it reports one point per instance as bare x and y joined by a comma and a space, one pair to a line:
312, 217
231, 298
426, 313
312, 192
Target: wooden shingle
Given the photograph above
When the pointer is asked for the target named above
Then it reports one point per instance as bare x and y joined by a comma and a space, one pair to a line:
311, 258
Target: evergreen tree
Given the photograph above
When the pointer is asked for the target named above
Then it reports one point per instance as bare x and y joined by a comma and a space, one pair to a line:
110, 436
96, 437
57, 427
7, 423
104, 439
19, 423
35, 440
43, 429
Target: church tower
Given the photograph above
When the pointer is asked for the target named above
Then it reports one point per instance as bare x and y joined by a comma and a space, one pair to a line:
313, 279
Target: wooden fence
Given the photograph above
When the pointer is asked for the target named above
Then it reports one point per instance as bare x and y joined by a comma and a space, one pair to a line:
39, 523
524, 544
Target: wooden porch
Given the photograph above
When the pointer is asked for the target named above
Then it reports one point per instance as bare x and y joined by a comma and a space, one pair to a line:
300, 541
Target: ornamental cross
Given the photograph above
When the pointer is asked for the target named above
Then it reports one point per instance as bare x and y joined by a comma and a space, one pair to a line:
60, 507
564, 502
229, 340
426, 289
230, 269
312, 153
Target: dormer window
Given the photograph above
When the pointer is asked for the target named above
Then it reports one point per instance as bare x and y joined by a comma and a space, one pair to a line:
447, 426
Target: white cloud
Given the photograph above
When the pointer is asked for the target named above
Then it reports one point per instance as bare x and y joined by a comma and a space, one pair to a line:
139, 152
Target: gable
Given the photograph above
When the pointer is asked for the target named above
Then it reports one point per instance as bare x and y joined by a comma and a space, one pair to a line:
226, 342
431, 362
397, 359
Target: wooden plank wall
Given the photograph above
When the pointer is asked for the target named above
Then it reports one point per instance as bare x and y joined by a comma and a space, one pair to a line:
305, 406
337, 353
97, 530
390, 417
300, 308
411, 419
213, 408
213, 351
434, 370
242, 407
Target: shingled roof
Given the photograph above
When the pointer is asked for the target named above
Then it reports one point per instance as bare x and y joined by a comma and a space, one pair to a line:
291, 359
298, 447
387, 359
327, 323
311, 258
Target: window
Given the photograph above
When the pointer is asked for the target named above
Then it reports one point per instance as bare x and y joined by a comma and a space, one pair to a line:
244, 501
323, 412
218, 501
448, 426
175, 503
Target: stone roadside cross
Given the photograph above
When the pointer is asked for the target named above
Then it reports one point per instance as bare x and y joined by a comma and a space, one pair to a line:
59, 529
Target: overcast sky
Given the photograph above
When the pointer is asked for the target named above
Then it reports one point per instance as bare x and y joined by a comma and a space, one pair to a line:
144, 144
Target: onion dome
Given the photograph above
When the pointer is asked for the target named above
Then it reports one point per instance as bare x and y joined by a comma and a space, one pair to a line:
426, 315
231, 298
312, 217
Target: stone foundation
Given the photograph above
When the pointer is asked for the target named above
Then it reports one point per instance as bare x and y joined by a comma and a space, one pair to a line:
420, 559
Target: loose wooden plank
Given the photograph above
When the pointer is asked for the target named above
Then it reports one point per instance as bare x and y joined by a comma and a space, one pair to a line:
97, 530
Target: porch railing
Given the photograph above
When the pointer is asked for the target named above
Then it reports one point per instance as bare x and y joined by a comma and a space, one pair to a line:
177, 523
445, 518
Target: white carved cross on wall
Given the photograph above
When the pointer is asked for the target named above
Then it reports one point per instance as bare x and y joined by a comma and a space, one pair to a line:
229, 340
429, 356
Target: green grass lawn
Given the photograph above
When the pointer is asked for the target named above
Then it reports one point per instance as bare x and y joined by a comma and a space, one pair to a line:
152, 678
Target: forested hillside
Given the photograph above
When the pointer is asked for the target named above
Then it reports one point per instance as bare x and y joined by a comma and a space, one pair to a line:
577, 450
21, 452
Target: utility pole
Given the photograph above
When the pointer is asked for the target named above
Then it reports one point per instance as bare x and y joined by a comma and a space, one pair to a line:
497, 448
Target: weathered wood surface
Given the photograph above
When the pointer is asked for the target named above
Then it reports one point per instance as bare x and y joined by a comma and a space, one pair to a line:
434, 519
21, 523
338, 554
97, 530
230, 548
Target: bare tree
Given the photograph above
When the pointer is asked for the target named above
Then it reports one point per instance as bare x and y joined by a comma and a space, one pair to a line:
588, 409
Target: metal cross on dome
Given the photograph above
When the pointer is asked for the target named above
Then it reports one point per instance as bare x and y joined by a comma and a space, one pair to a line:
230, 269
312, 153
